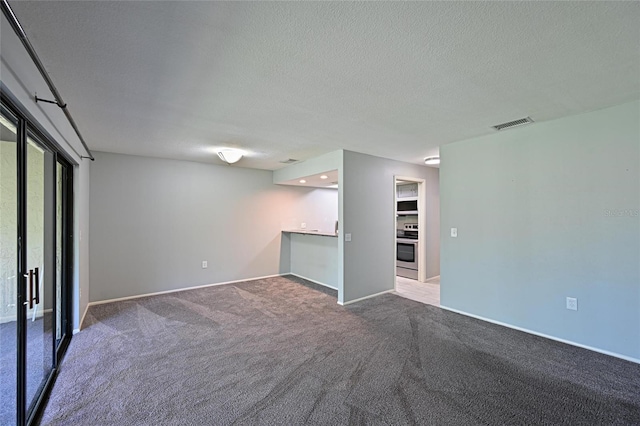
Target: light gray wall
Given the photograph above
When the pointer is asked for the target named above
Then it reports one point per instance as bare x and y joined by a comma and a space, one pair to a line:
154, 221
543, 212
368, 213
315, 257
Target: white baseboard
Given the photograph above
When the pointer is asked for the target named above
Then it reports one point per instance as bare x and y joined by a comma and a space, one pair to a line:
313, 281
364, 298
77, 330
546, 336
138, 296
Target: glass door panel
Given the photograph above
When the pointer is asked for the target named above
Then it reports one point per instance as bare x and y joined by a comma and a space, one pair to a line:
8, 268
40, 268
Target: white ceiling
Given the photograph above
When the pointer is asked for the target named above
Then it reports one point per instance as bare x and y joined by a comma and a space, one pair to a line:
295, 80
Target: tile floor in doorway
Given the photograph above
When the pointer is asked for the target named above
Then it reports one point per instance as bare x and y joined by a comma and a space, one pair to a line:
427, 292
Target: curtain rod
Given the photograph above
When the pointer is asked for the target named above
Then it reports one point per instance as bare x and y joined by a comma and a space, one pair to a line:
17, 28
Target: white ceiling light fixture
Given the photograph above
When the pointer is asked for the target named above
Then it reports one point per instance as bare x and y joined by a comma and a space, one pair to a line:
302, 181
230, 156
432, 161
324, 177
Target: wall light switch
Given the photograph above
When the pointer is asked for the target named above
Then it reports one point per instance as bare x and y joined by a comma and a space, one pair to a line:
454, 232
303, 225
572, 303
347, 237
204, 264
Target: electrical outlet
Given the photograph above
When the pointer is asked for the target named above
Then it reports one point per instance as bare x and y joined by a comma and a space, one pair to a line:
303, 225
347, 237
204, 264
572, 303
454, 232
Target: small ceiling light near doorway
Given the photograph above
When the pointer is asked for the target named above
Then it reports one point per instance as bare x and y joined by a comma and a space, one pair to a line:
230, 156
302, 181
432, 161
324, 177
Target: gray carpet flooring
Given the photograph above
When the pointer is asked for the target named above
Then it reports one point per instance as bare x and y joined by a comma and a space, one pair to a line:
280, 351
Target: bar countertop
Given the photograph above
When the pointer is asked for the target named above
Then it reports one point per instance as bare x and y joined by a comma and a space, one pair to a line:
310, 232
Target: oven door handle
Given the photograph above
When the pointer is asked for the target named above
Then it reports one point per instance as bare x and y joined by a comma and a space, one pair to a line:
406, 241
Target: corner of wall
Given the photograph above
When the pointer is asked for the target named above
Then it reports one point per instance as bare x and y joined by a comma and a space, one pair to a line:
81, 193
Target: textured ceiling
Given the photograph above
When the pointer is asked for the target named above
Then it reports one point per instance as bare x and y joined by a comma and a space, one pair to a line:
295, 80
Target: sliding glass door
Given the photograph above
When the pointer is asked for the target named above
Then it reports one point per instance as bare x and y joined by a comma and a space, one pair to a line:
35, 289
39, 272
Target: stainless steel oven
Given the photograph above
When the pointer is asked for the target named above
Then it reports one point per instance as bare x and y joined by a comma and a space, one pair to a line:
407, 252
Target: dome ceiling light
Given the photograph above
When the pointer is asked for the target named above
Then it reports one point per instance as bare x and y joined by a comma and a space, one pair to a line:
432, 161
230, 156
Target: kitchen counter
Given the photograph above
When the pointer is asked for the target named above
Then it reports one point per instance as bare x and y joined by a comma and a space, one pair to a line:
309, 232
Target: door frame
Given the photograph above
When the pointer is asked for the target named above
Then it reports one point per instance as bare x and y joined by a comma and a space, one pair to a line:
66, 275
28, 124
422, 226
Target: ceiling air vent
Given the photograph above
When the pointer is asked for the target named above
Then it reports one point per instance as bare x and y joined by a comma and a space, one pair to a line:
513, 123
289, 161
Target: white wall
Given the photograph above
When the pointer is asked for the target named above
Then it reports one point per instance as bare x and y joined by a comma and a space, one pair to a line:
367, 184
20, 77
154, 221
544, 212
316, 207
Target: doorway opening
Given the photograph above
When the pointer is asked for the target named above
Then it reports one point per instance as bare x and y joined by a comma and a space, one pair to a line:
416, 277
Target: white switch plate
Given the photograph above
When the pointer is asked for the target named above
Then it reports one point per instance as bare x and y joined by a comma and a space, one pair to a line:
347, 237
454, 232
204, 264
303, 225
572, 303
